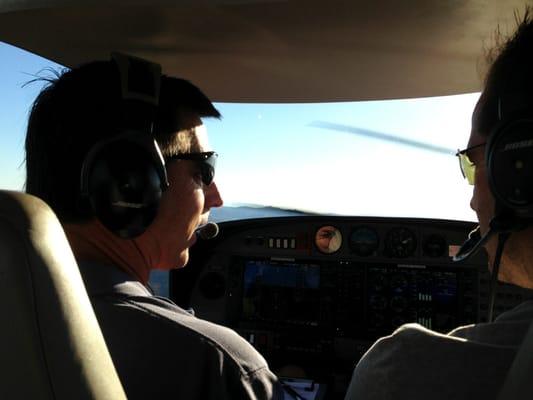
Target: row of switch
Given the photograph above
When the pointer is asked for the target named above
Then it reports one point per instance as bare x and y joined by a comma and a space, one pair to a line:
282, 243
273, 243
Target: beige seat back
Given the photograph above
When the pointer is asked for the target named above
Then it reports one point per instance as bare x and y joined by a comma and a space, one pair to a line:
51, 346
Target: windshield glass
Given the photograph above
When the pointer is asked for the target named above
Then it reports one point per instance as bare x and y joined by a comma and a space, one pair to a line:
378, 158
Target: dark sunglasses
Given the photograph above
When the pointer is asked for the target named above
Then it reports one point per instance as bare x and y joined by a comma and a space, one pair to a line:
468, 168
206, 161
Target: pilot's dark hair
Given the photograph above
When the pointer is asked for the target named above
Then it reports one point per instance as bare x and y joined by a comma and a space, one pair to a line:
509, 81
82, 106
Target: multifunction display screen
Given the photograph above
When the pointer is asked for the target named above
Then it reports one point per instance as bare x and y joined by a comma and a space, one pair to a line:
283, 292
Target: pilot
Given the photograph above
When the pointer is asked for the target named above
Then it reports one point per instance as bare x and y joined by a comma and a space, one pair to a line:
471, 362
130, 205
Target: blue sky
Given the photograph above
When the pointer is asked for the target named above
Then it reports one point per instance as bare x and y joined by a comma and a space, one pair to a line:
17, 68
273, 155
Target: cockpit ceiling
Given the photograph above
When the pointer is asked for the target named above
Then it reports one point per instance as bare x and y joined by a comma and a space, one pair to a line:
277, 51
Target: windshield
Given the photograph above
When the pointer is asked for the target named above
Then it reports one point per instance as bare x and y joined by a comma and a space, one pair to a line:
391, 158
380, 158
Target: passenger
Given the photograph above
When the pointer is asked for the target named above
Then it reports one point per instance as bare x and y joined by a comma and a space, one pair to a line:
471, 362
160, 350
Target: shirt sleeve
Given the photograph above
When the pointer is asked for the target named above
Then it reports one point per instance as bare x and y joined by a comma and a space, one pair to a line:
238, 371
370, 376
415, 363
405, 365
261, 385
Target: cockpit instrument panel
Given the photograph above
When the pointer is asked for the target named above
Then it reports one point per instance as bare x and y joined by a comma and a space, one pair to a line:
313, 293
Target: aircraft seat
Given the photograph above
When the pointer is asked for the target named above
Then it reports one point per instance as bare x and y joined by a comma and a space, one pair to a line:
50, 341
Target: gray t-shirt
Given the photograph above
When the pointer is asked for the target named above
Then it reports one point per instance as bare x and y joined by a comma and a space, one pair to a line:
471, 362
161, 351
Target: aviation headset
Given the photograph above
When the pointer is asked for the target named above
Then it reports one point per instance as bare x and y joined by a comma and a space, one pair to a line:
509, 162
123, 177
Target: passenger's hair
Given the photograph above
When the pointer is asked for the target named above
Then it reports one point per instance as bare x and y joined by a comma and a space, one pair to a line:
82, 106
509, 82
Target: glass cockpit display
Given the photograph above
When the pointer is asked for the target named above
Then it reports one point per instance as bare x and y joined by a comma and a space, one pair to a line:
281, 292
370, 299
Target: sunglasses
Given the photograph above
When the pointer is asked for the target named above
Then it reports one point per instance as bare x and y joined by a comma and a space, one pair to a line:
206, 162
468, 168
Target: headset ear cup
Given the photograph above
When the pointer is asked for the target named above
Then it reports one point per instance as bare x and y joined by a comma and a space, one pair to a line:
509, 161
123, 177
124, 188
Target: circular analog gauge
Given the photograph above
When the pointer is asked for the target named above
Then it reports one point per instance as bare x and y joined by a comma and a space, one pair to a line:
328, 239
364, 241
400, 243
435, 246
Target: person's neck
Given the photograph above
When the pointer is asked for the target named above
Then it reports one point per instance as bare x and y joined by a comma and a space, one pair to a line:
91, 241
